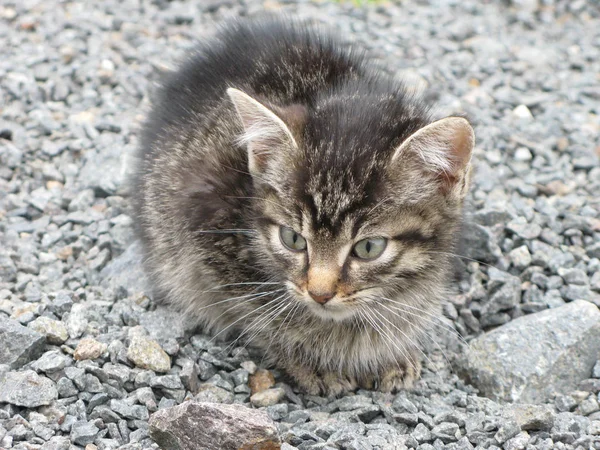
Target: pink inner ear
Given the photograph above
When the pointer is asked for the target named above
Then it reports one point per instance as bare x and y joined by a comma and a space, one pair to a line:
461, 146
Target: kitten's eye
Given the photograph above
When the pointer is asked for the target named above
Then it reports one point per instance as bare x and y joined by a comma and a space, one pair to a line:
369, 248
292, 240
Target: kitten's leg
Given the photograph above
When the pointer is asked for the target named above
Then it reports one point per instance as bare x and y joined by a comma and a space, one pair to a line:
396, 378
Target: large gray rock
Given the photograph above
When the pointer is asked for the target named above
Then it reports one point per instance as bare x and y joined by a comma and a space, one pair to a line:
535, 356
27, 389
206, 426
18, 344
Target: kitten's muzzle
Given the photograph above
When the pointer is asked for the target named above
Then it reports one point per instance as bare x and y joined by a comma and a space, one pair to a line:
321, 298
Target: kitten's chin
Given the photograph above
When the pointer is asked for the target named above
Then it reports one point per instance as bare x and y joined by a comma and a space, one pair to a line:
336, 313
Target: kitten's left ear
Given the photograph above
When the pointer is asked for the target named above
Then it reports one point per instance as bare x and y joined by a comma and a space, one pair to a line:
264, 132
444, 149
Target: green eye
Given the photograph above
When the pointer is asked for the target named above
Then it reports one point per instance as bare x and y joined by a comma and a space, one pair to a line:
292, 240
370, 248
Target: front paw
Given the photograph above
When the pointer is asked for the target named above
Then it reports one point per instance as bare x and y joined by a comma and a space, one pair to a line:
396, 378
329, 384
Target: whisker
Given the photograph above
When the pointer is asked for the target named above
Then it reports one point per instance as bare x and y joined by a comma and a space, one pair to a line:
466, 258
403, 333
225, 231
385, 337
241, 284
249, 298
257, 326
254, 322
242, 318
409, 358
446, 326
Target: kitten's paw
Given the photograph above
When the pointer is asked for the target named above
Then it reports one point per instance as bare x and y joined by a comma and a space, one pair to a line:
330, 384
395, 378
335, 385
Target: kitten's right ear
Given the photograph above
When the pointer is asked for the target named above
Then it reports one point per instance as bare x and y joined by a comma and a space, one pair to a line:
444, 150
264, 132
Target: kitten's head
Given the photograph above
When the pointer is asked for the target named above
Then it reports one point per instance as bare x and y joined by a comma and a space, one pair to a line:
359, 196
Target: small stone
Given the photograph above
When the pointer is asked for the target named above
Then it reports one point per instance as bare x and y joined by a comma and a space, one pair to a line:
56, 333
215, 426
533, 417
446, 432
213, 394
89, 349
83, 433
166, 382
267, 397
261, 380
421, 433
189, 376
522, 112
18, 344
277, 412
574, 276
520, 257
50, 362
596, 370
508, 430
250, 366
128, 411
147, 354
523, 154
519, 442
403, 405
407, 418
565, 403
27, 389
524, 230
57, 443
239, 377
589, 406
66, 388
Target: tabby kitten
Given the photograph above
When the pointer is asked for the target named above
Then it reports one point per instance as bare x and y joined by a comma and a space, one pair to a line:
292, 196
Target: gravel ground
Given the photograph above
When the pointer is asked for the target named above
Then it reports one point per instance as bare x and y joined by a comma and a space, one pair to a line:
85, 356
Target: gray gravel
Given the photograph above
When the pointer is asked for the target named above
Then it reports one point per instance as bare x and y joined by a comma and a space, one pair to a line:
85, 356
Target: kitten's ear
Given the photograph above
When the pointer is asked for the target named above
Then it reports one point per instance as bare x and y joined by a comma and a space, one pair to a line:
444, 149
264, 132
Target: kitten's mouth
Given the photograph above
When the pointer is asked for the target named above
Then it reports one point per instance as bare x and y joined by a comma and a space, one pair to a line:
337, 309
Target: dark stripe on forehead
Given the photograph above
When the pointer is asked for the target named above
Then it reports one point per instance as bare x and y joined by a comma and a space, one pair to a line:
414, 237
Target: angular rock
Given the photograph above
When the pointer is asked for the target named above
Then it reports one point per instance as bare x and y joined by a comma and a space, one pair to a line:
163, 324
213, 394
479, 243
89, 349
55, 331
27, 389
203, 426
532, 417
125, 271
83, 433
147, 354
268, 397
535, 356
18, 345
261, 380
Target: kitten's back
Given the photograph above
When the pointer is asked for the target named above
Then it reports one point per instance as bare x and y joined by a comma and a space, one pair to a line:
280, 60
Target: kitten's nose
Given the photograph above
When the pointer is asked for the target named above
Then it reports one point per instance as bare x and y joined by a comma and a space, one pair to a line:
321, 298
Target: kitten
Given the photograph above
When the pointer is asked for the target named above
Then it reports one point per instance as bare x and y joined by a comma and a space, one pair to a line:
292, 196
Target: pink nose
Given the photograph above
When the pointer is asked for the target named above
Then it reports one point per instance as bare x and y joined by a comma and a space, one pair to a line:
321, 298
